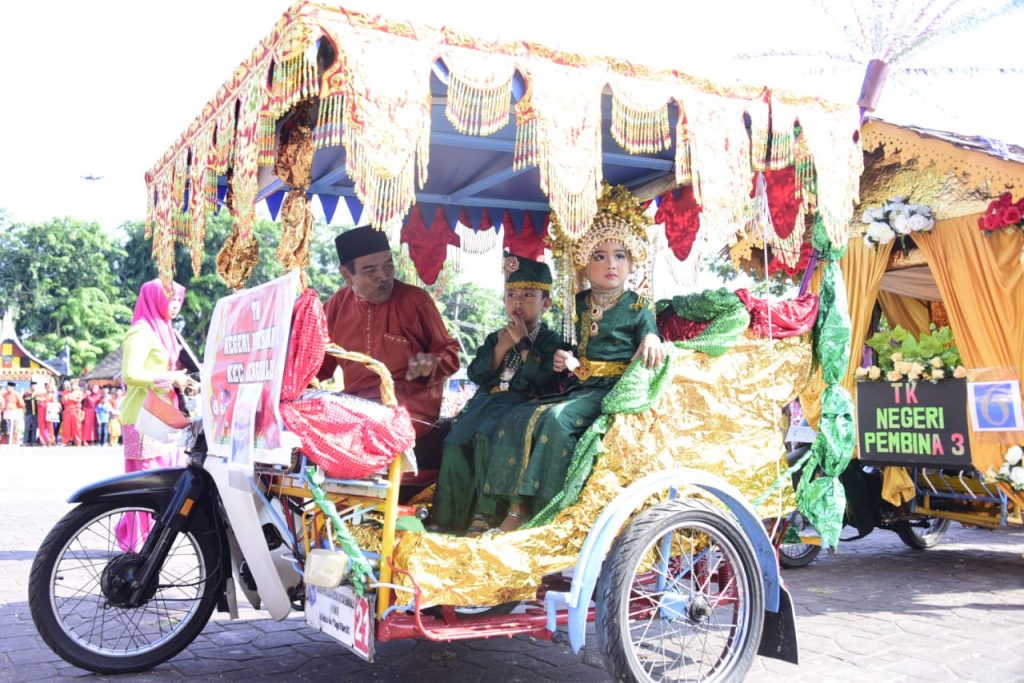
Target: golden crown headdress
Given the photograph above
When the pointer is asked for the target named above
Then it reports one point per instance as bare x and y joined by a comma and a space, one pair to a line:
620, 217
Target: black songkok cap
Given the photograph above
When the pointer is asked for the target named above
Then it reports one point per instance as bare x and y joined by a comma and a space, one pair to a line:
360, 242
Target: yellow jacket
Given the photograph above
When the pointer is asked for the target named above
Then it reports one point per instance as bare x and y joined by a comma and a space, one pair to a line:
144, 361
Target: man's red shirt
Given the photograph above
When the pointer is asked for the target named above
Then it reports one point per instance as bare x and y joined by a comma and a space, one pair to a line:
406, 324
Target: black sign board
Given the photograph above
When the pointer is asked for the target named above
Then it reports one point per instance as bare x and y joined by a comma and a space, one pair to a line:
914, 424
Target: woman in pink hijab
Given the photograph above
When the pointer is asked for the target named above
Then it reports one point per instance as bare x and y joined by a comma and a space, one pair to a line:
149, 361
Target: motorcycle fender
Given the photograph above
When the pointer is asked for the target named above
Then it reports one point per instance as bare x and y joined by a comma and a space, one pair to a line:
154, 483
778, 639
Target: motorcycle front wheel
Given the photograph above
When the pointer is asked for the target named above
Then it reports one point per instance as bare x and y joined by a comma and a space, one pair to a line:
81, 578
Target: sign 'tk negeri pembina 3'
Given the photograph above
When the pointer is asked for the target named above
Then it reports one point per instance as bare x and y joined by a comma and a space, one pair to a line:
904, 423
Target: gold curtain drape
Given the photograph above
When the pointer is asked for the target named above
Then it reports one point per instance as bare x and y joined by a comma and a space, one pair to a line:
863, 268
982, 285
909, 313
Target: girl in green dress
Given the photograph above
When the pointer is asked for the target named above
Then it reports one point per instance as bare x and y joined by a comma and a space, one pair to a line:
528, 455
513, 365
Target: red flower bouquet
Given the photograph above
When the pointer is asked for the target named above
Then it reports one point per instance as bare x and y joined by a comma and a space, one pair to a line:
1002, 213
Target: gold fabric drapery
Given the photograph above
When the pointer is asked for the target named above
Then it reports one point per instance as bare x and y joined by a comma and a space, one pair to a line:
909, 313
982, 285
863, 268
718, 414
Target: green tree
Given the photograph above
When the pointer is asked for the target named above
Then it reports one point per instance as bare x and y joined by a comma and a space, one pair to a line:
59, 278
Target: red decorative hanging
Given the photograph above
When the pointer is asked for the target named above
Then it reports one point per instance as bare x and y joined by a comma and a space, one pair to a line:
788, 318
783, 199
777, 264
528, 242
681, 217
428, 246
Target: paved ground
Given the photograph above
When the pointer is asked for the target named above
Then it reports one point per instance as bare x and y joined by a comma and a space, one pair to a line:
874, 611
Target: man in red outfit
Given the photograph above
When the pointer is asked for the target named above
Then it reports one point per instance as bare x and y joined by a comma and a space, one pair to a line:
394, 322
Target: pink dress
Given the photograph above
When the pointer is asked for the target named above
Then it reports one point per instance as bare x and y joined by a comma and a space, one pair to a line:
92, 399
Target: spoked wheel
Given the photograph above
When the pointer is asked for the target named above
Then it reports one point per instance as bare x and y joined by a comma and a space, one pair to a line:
792, 555
680, 597
82, 577
921, 534
796, 555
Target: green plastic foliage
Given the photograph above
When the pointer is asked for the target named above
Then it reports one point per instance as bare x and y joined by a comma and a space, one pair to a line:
362, 573
819, 495
832, 329
727, 314
937, 343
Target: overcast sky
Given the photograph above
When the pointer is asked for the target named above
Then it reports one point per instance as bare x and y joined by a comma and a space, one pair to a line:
104, 88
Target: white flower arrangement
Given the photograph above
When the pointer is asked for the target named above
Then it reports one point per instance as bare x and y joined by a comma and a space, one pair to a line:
1011, 471
895, 218
912, 371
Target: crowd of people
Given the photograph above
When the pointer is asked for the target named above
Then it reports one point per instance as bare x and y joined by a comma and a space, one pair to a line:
75, 415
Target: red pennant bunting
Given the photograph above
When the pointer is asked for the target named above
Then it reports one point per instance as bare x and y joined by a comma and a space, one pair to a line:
428, 247
529, 243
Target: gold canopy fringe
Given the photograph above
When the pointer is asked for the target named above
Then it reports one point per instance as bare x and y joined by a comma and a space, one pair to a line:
526, 149
639, 131
294, 79
839, 162
760, 137
684, 172
224, 140
267, 134
385, 199
475, 110
476, 241
329, 121
200, 182
179, 178
245, 167
237, 258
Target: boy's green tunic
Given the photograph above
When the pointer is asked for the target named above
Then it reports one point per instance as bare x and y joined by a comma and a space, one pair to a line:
456, 485
529, 449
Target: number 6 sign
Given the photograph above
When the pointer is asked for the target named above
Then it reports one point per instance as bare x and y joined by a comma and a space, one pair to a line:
995, 406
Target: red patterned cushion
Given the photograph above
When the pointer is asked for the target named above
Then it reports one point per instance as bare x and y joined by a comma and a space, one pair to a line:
348, 437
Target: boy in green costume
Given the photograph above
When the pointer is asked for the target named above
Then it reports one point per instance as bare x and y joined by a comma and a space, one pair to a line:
513, 365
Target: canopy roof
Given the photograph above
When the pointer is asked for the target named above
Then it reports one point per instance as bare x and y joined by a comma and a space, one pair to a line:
16, 363
399, 113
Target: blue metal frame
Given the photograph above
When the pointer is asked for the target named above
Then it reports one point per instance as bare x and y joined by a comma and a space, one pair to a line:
609, 523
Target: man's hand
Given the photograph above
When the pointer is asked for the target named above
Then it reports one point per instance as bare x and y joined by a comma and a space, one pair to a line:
421, 365
650, 352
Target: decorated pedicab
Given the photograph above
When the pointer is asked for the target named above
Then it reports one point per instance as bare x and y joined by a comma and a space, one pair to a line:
293, 494
938, 254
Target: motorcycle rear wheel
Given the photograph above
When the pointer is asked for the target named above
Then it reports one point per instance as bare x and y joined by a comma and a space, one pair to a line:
78, 579
922, 534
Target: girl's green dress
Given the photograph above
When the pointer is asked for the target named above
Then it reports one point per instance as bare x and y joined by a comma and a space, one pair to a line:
527, 453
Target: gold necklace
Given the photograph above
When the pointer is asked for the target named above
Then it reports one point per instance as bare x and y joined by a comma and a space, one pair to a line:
600, 302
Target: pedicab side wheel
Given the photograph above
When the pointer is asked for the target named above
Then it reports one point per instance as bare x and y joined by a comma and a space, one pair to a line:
680, 597
796, 555
82, 577
923, 534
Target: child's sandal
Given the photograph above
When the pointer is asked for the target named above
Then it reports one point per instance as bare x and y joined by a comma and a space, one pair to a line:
481, 523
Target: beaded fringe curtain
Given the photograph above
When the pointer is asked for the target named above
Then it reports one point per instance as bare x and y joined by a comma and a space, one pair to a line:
375, 100
479, 90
